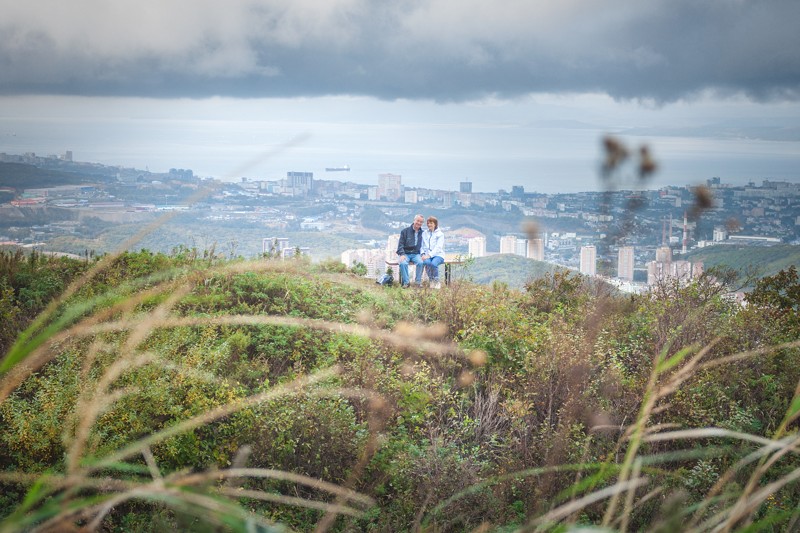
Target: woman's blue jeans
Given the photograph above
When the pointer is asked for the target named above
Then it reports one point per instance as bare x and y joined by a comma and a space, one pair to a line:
432, 267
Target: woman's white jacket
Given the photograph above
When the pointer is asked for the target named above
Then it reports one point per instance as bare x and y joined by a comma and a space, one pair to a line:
433, 243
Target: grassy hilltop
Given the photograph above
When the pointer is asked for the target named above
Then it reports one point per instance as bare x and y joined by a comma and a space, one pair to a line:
190, 392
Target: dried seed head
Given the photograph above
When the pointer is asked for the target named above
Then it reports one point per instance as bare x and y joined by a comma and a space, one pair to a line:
477, 358
647, 165
635, 202
407, 370
616, 153
704, 198
364, 317
406, 330
531, 229
612, 145
435, 331
466, 378
377, 404
732, 225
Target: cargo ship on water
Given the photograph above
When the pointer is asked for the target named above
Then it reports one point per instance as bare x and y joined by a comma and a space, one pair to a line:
344, 168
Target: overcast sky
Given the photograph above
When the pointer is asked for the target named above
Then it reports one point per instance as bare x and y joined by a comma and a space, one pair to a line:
502, 92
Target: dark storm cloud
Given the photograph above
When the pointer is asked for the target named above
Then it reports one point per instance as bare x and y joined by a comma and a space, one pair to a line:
446, 50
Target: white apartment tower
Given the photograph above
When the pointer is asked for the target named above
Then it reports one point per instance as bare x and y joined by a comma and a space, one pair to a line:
390, 187
588, 260
477, 246
274, 245
522, 247
373, 259
508, 244
391, 247
536, 249
625, 263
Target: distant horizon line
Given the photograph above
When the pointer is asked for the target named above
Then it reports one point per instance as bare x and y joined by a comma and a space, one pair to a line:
348, 168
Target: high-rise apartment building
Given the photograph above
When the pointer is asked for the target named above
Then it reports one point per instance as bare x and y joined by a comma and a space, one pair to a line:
682, 270
274, 245
464, 198
522, 247
391, 247
625, 263
663, 254
447, 199
373, 258
477, 246
657, 272
664, 269
465, 186
536, 249
589, 260
508, 244
299, 183
390, 187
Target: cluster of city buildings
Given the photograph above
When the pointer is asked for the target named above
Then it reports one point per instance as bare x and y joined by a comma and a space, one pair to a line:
757, 202
278, 247
660, 226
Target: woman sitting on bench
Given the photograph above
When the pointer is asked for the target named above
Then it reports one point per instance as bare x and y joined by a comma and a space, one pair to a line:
432, 251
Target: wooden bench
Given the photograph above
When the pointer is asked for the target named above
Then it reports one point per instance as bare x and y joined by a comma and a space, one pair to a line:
449, 261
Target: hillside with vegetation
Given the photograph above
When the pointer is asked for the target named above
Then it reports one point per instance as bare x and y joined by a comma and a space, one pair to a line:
759, 260
186, 391
231, 241
511, 269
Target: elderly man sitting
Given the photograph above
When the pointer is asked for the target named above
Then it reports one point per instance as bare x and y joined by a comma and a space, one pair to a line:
408, 251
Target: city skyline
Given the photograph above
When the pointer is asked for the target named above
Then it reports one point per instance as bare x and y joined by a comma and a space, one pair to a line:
438, 92
587, 231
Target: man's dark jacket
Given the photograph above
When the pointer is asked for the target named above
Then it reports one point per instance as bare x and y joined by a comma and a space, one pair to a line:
406, 244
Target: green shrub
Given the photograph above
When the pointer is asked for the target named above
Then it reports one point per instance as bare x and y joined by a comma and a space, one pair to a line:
317, 436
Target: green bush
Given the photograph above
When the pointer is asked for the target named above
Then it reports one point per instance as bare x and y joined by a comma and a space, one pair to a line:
317, 436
